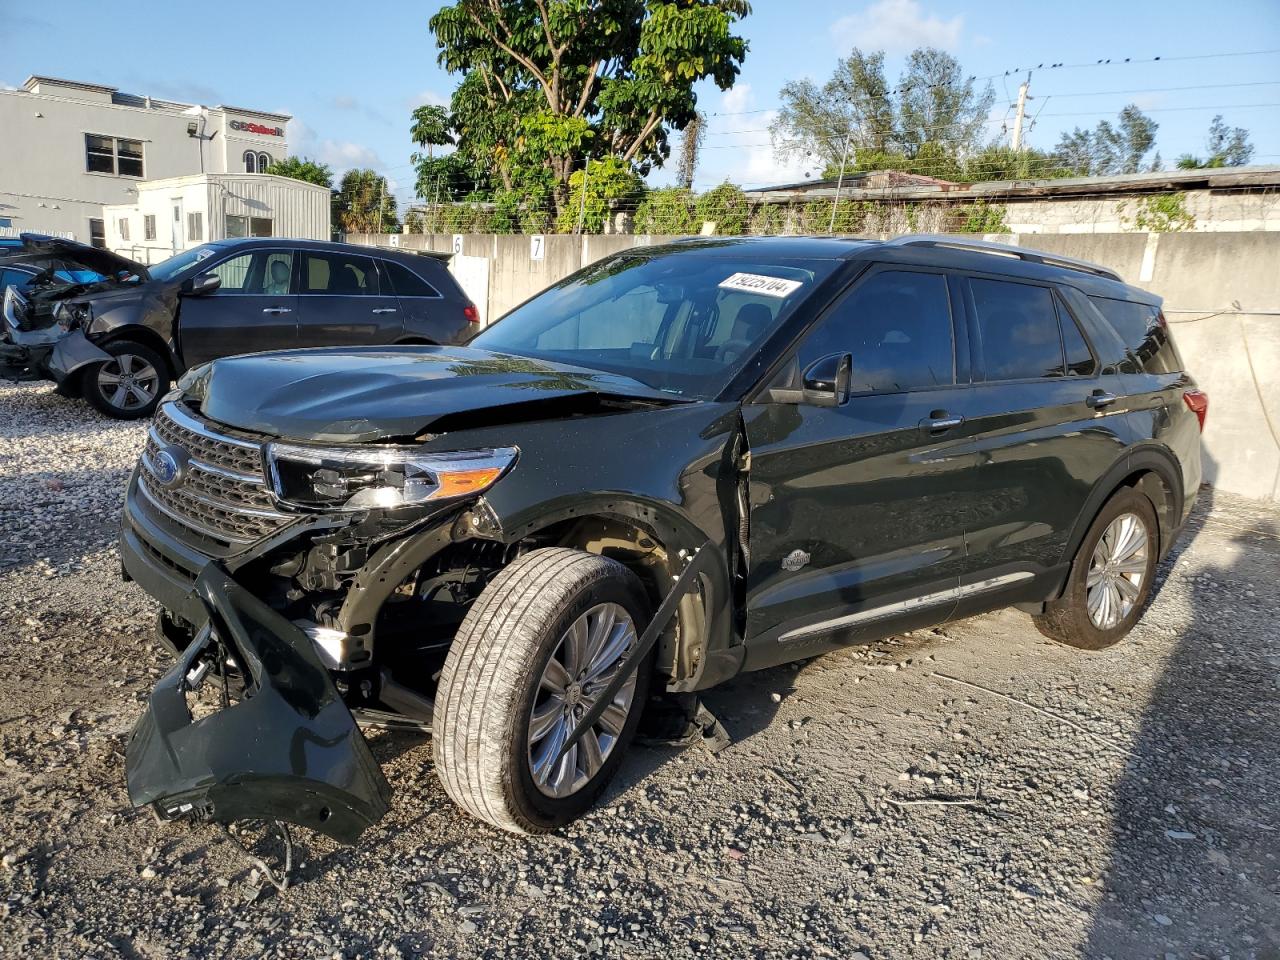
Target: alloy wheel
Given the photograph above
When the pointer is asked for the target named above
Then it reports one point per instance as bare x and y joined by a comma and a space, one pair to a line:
586, 659
128, 382
1116, 571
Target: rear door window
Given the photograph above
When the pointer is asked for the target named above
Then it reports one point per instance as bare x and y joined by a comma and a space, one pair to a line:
897, 326
1018, 330
1080, 360
1146, 337
339, 274
406, 282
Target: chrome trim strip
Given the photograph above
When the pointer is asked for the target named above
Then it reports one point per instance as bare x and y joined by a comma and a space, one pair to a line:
187, 422
256, 479
187, 521
217, 504
905, 606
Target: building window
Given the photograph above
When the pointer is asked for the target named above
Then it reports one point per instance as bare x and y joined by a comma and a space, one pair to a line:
195, 227
149, 227
249, 226
264, 161
250, 162
123, 226
97, 233
112, 155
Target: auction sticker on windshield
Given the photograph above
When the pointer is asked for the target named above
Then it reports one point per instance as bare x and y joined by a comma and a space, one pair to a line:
756, 283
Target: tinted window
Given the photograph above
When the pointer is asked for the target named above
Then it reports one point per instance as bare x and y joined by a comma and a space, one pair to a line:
1141, 327
897, 325
684, 321
1080, 361
339, 275
1019, 330
407, 283
262, 273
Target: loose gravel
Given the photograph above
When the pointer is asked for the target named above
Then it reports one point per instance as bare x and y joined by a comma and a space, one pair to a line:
968, 791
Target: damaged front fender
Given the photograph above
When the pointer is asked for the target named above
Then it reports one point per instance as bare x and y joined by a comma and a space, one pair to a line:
289, 749
74, 352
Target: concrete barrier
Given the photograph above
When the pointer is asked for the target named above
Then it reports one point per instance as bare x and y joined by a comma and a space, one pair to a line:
1221, 293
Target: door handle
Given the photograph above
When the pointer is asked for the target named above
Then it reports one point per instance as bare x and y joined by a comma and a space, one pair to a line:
1100, 398
385, 310
940, 421
275, 310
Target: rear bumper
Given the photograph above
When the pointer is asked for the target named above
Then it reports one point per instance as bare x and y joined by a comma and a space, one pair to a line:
288, 750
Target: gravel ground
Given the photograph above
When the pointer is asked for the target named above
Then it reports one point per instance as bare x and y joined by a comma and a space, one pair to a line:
970, 791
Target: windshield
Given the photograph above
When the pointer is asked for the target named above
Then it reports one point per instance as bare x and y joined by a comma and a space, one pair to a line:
180, 262
683, 321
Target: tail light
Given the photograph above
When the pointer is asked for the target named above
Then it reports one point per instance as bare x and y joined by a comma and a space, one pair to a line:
471, 313
1197, 402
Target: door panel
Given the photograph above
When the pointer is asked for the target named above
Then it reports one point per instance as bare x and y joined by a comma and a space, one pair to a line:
341, 302
251, 311
858, 511
1041, 444
874, 507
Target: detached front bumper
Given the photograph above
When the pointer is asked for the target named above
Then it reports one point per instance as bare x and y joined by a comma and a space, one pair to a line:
288, 750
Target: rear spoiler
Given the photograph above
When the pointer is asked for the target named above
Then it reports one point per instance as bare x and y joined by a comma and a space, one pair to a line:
443, 257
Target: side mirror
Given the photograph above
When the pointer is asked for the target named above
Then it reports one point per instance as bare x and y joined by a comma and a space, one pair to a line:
826, 381
201, 285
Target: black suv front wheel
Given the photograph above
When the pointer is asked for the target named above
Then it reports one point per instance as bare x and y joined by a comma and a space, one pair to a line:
130, 384
1111, 577
532, 656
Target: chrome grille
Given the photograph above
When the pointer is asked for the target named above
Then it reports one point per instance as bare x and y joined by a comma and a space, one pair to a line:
223, 494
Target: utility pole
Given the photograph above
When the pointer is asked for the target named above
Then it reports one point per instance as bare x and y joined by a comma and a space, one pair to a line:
1022, 111
844, 158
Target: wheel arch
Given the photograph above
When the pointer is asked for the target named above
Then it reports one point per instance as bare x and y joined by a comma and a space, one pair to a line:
655, 542
138, 333
1153, 471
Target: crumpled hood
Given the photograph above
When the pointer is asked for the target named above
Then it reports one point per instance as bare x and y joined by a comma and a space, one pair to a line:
377, 393
37, 248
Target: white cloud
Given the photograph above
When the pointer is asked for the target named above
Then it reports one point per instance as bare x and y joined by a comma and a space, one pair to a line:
341, 155
738, 147
897, 26
428, 97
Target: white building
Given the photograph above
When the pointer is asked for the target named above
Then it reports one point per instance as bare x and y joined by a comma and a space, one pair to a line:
182, 212
68, 149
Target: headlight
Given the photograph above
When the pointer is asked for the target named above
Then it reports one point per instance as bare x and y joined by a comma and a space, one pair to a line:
363, 478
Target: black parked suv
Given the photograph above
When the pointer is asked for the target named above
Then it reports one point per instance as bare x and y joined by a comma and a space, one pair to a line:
120, 332
680, 463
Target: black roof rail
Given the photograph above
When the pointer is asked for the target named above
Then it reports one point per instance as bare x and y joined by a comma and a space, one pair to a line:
1004, 250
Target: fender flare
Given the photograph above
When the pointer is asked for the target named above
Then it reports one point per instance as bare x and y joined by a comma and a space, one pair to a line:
1148, 457
721, 654
140, 333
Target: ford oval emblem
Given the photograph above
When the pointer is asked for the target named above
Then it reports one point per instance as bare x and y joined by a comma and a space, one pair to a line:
169, 465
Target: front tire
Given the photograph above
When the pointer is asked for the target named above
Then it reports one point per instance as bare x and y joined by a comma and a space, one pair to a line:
1111, 577
130, 384
548, 633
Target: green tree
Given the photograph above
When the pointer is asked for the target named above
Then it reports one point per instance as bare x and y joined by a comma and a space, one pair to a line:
609, 183
1109, 149
727, 207
552, 83
364, 204
933, 115
690, 145
667, 210
1228, 147
300, 168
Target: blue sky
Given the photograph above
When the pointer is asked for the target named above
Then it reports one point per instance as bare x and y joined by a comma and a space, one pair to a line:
350, 73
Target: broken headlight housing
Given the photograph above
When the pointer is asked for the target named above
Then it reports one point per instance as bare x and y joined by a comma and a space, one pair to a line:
368, 478
70, 316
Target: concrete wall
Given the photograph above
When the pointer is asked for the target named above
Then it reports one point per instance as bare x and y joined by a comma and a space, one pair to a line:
1221, 293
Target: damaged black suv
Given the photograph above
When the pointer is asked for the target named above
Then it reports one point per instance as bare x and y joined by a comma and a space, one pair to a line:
680, 463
